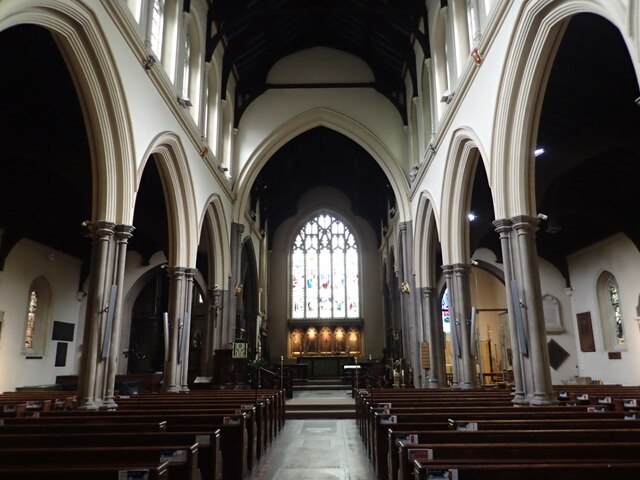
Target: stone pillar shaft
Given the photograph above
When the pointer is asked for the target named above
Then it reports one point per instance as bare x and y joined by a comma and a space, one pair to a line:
122, 233
433, 327
456, 352
176, 290
186, 328
463, 319
504, 229
101, 233
525, 227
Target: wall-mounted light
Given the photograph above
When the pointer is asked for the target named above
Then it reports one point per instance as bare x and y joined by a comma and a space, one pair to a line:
475, 55
538, 151
471, 216
222, 168
447, 96
149, 62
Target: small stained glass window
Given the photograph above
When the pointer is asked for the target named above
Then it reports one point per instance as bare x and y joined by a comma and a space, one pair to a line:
325, 270
32, 316
612, 290
446, 318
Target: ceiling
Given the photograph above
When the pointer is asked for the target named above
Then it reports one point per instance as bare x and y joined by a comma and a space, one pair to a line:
258, 33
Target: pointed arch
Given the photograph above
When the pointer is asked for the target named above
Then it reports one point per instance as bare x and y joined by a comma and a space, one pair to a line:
335, 121
426, 239
215, 220
84, 47
177, 183
464, 152
538, 27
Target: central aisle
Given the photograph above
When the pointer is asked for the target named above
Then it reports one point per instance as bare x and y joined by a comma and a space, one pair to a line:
316, 450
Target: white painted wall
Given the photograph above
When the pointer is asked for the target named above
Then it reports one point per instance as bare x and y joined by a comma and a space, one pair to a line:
552, 282
364, 105
619, 256
324, 197
27, 261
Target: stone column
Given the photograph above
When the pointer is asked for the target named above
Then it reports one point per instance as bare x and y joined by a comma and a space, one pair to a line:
525, 227
431, 322
456, 352
102, 233
229, 325
176, 290
410, 335
208, 340
463, 319
186, 327
122, 233
504, 229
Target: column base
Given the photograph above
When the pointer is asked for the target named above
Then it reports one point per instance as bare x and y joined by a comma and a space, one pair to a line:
542, 400
172, 389
184, 388
520, 399
467, 386
109, 404
88, 404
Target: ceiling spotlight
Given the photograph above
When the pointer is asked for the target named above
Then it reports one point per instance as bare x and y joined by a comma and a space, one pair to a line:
471, 217
474, 263
538, 151
222, 168
541, 216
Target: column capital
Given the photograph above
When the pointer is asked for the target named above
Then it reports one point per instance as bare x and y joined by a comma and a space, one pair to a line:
190, 272
503, 225
428, 292
525, 222
447, 269
176, 272
402, 227
100, 229
461, 269
124, 231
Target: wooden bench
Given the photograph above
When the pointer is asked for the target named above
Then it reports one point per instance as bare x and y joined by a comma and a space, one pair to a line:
185, 468
400, 461
536, 470
154, 471
209, 454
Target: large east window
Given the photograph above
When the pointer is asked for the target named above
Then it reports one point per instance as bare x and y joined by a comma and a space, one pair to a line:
325, 270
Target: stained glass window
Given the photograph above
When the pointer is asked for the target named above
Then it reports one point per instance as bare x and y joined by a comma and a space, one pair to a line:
32, 315
612, 290
446, 318
325, 271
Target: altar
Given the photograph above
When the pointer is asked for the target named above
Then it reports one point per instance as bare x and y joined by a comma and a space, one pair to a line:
321, 367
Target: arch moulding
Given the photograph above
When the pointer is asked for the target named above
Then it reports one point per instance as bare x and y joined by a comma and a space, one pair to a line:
167, 149
322, 117
457, 186
84, 47
538, 26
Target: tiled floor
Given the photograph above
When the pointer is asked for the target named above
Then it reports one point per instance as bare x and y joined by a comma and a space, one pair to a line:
312, 449
315, 450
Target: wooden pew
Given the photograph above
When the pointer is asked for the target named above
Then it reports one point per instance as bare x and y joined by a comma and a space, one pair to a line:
120, 457
154, 471
400, 465
535, 470
234, 437
437, 419
209, 454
